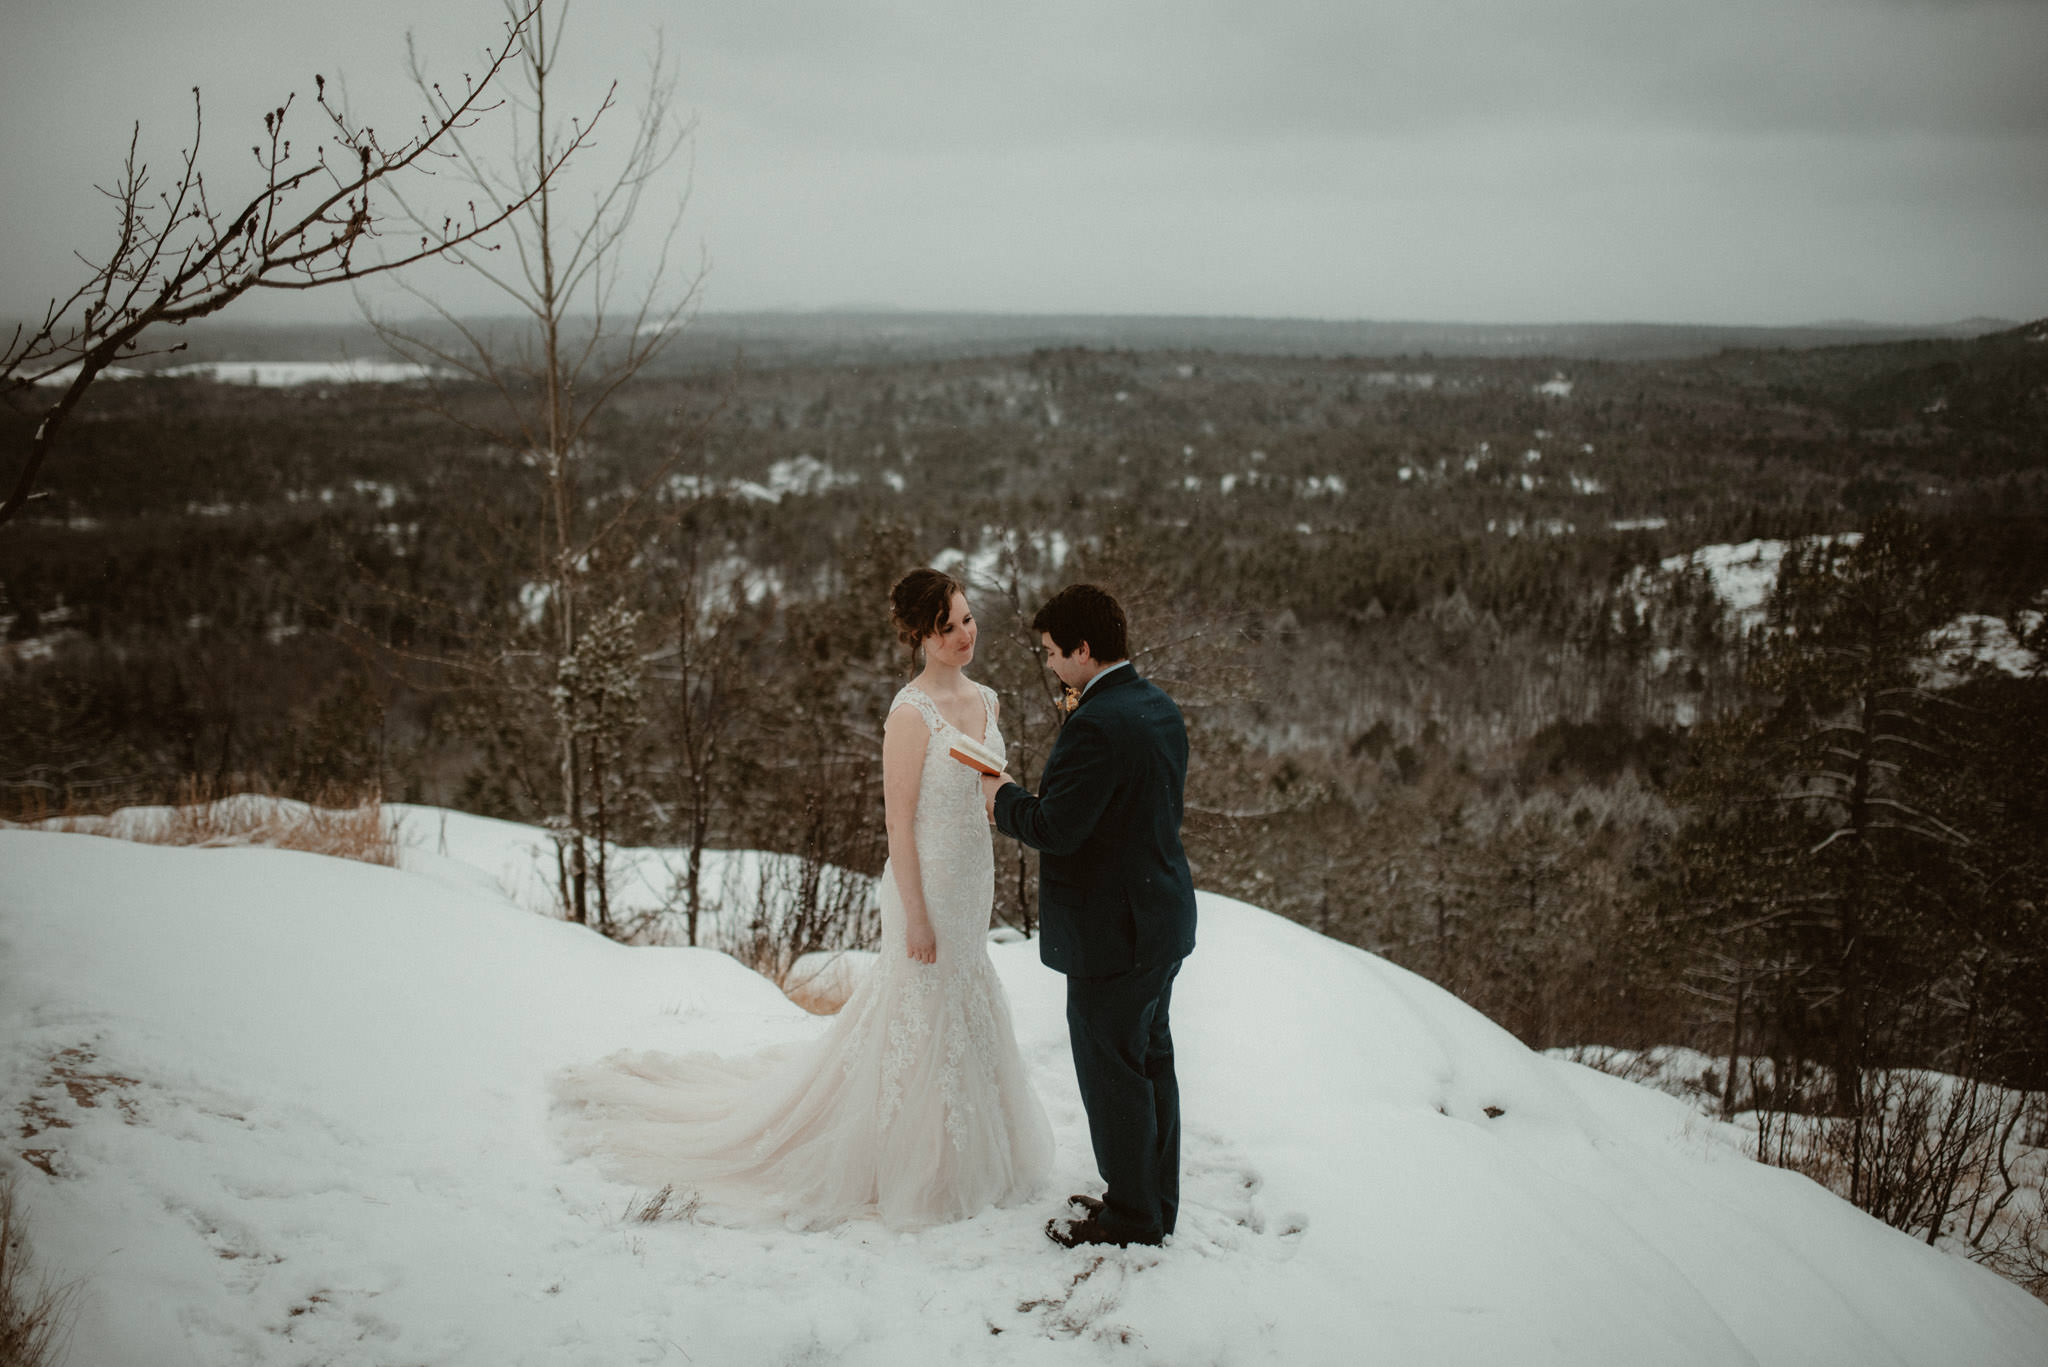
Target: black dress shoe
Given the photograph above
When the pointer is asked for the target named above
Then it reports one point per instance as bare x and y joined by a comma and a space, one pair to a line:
1089, 1206
1088, 1231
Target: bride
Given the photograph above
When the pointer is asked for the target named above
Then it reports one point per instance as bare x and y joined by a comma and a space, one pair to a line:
914, 1106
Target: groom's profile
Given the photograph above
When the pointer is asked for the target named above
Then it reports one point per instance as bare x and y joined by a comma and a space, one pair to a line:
1116, 907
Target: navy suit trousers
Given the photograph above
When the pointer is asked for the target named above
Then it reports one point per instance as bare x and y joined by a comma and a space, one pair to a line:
1123, 1056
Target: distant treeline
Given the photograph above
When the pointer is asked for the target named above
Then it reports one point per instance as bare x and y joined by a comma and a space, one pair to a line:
892, 337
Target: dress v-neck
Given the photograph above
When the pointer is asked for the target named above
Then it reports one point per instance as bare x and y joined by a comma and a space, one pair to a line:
980, 693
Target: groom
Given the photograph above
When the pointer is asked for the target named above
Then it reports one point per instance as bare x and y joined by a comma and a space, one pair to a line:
1116, 907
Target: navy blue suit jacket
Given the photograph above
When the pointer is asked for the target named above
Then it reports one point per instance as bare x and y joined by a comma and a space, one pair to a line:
1114, 891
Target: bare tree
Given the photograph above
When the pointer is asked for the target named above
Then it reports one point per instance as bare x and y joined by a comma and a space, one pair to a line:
179, 254
589, 323
718, 630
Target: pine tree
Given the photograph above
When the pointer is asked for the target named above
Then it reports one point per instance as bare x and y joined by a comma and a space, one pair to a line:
599, 700
1829, 831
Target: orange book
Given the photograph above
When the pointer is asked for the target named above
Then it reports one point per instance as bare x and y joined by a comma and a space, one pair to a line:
974, 755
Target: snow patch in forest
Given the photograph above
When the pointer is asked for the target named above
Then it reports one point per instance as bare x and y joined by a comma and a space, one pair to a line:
1977, 638
1548, 526
1038, 557
533, 602
806, 474
1742, 576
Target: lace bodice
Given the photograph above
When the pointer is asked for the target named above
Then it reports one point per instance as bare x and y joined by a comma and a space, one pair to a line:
954, 853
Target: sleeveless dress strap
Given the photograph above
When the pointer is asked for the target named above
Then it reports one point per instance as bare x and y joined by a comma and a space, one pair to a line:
922, 701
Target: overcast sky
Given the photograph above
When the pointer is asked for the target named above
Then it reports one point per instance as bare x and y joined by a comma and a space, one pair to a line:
1727, 161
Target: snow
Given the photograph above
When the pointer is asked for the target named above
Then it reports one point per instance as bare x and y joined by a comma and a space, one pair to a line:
1976, 638
1743, 575
799, 475
283, 374
65, 376
385, 494
999, 550
806, 474
1515, 526
534, 598
1556, 387
309, 1124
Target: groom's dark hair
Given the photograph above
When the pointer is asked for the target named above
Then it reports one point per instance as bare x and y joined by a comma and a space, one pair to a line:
1082, 612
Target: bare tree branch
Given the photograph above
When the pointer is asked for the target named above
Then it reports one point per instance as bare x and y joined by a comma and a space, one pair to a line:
309, 225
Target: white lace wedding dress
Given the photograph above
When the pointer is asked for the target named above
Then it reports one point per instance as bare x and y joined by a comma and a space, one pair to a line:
913, 1107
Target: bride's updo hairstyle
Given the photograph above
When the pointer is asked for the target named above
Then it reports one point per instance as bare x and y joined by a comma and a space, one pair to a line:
921, 605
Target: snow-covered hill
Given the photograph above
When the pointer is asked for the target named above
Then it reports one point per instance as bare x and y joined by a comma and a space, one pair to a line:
277, 1108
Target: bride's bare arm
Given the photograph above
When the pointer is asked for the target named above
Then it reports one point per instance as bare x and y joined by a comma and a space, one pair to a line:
904, 738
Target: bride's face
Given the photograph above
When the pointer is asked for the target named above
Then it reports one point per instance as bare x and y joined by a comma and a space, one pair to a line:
954, 646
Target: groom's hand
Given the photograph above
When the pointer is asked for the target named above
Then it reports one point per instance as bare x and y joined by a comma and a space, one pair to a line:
991, 784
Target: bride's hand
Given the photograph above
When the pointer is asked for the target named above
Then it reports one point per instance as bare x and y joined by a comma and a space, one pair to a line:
924, 946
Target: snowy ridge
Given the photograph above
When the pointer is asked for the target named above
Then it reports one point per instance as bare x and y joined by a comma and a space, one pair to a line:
286, 374
1742, 577
270, 374
276, 1108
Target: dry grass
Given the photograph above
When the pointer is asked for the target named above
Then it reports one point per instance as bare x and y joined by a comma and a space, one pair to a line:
343, 823
1960, 1163
34, 1315
663, 1205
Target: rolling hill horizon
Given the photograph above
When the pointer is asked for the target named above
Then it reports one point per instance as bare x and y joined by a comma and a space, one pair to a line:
778, 337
